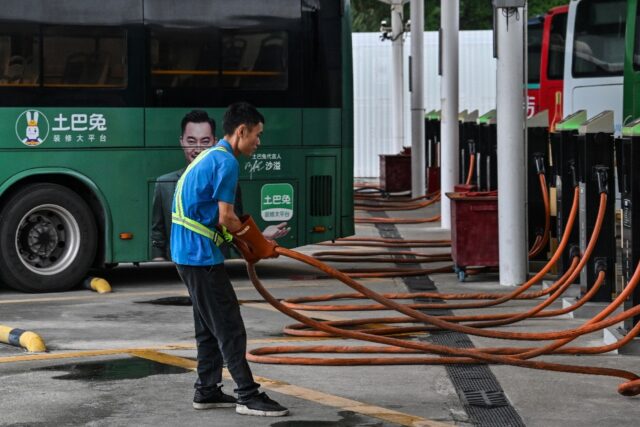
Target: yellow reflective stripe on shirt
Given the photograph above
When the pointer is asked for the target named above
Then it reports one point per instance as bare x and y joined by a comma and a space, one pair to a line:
225, 234
197, 160
179, 218
196, 227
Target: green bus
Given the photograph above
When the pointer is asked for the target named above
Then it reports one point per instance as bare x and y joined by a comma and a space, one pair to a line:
631, 108
91, 98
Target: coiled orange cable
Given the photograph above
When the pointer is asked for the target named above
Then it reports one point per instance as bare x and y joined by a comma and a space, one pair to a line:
459, 355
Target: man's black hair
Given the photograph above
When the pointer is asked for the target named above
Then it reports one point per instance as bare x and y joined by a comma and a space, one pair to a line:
240, 113
198, 116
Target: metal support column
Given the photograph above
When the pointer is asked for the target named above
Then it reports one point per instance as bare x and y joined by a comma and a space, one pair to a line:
395, 33
511, 22
449, 22
397, 95
418, 162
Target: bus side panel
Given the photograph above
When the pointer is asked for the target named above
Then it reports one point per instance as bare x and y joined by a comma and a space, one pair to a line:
43, 128
631, 109
534, 105
321, 198
321, 127
271, 202
535, 55
162, 125
283, 126
551, 97
123, 176
600, 97
277, 180
346, 166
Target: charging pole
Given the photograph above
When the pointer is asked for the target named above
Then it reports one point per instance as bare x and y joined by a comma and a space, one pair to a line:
511, 21
448, 67
416, 86
397, 57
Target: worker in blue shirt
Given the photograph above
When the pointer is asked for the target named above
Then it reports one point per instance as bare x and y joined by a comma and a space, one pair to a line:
202, 202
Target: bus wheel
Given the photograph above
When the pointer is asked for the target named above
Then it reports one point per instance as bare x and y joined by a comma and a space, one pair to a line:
48, 239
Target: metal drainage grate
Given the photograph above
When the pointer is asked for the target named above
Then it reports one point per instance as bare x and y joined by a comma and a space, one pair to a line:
484, 398
480, 393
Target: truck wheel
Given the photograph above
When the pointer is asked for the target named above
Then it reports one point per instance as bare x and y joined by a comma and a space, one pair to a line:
48, 239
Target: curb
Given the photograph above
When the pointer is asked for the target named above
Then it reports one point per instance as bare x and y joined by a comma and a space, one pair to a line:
21, 338
97, 284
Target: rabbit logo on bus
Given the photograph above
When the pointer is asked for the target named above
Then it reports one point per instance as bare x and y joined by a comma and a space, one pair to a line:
32, 128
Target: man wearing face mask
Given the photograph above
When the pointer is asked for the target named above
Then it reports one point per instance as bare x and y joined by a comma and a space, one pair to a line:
195, 137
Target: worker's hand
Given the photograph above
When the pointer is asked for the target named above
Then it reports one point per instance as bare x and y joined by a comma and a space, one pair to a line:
251, 243
274, 232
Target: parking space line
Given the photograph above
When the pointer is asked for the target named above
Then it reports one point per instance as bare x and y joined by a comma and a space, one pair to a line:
96, 297
156, 354
116, 351
307, 394
90, 353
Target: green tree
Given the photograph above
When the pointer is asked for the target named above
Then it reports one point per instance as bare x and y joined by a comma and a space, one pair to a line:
367, 15
474, 14
538, 7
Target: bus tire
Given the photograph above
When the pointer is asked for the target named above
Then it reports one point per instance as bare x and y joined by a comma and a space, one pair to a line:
48, 239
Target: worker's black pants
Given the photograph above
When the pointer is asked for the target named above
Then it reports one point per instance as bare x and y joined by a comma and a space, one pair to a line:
220, 332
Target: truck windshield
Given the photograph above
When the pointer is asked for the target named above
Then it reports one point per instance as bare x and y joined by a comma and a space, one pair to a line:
598, 47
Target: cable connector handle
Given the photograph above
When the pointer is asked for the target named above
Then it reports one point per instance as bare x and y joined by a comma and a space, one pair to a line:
574, 252
472, 146
574, 173
602, 177
538, 160
600, 264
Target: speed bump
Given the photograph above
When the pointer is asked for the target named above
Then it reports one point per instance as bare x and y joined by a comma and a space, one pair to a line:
21, 338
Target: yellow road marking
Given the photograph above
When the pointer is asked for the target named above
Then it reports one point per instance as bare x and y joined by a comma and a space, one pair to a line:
91, 353
269, 384
109, 352
97, 297
166, 359
307, 394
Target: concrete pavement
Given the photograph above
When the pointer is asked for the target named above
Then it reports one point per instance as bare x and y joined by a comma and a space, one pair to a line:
119, 359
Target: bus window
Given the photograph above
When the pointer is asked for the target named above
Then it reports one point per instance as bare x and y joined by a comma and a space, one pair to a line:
598, 49
19, 55
83, 57
255, 60
534, 51
555, 65
181, 58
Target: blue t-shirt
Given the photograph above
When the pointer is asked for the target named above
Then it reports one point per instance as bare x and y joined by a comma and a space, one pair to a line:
212, 180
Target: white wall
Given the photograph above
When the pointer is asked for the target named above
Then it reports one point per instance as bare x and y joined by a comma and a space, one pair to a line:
372, 89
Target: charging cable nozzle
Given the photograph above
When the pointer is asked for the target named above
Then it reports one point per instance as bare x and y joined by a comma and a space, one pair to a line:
602, 176
538, 159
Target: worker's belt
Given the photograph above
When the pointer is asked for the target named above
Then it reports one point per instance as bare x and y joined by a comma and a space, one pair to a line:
179, 217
